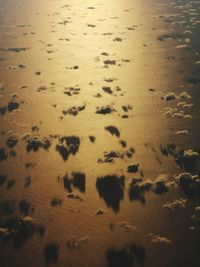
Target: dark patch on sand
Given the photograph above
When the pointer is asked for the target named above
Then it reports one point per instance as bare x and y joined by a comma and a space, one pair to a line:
68, 145
111, 189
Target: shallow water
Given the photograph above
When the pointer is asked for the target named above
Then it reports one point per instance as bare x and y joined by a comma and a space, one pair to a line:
99, 124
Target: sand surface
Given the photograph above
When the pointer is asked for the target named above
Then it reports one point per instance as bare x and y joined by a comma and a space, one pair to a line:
99, 133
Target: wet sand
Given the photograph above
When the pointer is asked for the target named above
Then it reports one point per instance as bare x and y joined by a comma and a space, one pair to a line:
99, 133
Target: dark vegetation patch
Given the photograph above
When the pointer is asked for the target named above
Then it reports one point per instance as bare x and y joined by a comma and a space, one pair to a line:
74, 111
77, 180
125, 256
105, 110
68, 145
35, 143
111, 189
51, 252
